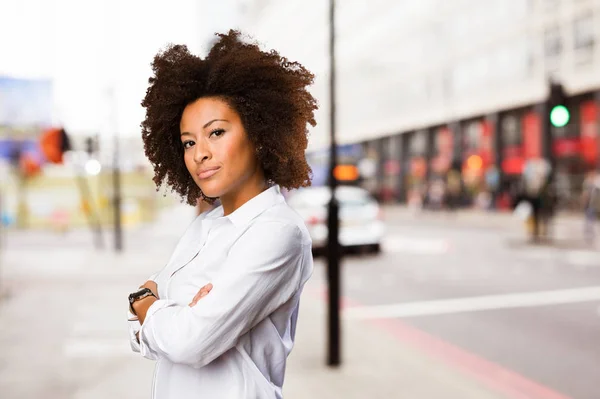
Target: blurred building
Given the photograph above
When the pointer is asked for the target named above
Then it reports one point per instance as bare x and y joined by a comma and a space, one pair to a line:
427, 85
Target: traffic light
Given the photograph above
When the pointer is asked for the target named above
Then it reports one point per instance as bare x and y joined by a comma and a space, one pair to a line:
558, 111
54, 143
91, 145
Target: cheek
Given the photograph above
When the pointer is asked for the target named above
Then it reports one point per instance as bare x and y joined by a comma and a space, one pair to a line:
237, 155
233, 155
243, 160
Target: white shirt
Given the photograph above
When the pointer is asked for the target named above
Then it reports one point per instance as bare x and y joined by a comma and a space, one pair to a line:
234, 342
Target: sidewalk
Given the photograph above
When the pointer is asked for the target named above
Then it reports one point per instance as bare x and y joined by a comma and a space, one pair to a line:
375, 364
567, 228
470, 216
64, 334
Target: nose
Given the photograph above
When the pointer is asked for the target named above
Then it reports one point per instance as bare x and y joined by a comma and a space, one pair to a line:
201, 152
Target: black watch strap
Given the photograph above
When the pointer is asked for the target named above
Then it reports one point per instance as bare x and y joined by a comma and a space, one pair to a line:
136, 296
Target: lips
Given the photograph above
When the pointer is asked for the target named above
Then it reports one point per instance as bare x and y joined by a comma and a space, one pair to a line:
206, 173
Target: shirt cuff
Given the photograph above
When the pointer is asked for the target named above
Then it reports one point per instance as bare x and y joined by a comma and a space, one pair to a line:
134, 327
144, 346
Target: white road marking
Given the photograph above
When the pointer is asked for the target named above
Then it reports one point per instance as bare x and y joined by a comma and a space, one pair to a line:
583, 258
471, 304
419, 246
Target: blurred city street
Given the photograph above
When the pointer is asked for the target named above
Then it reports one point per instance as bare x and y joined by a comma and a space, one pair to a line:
453, 147
468, 311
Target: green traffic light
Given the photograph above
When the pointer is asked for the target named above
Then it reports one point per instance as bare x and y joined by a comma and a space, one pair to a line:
559, 116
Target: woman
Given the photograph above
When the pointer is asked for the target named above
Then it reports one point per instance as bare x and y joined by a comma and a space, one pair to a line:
220, 318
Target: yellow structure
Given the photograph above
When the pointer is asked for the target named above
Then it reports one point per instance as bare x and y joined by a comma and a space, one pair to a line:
56, 200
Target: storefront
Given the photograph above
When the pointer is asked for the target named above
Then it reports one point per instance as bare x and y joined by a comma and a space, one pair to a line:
575, 148
478, 157
416, 178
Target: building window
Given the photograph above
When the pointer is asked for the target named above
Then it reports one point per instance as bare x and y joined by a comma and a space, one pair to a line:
418, 143
552, 42
584, 40
583, 32
472, 135
511, 132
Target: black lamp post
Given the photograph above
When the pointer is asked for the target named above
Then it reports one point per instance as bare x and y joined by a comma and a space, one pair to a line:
333, 246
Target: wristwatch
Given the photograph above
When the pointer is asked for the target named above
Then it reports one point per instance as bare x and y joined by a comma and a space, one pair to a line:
136, 296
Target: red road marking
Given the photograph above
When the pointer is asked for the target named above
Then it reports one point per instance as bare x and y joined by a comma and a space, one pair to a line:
493, 375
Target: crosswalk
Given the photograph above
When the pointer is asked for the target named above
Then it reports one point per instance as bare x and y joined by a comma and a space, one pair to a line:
405, 244
472, 304
415, 245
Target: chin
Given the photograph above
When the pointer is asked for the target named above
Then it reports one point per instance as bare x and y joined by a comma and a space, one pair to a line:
211, 190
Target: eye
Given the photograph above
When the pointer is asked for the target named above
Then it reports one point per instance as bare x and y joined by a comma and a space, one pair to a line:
187, 144
216, 132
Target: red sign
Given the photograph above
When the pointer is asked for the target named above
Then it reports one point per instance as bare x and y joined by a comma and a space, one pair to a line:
589, 132
486, 149
514, 151
513, 165
532, 136
566, 147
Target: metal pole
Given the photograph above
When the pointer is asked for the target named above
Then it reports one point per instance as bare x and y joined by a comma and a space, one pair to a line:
117, 197
333, 247
116, 172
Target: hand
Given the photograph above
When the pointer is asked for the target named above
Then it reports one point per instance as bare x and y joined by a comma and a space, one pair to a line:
152, 285
141, 307
201, 294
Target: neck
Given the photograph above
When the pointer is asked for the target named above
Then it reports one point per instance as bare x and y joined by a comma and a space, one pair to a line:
243, 194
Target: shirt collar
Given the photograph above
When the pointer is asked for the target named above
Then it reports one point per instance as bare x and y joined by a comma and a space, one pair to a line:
253, 207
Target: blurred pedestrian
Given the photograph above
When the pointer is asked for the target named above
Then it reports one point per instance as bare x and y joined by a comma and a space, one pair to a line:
453, 189
437, 192
525, 196
591, 203
220, 318
548, 204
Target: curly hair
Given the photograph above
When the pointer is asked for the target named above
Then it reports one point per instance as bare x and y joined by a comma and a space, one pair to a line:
268, 91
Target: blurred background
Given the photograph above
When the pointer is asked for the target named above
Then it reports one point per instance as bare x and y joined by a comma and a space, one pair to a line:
469, 171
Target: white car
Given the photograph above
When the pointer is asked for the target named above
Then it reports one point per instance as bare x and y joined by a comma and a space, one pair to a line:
361, 224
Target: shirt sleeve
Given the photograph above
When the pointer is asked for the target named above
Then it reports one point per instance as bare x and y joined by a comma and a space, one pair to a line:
263, 271
134, 325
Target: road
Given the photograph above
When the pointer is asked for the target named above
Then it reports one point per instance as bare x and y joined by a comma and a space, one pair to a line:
468, 311
531, 310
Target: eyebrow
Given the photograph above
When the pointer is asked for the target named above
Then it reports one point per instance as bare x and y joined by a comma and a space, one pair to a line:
205, 126
214, 120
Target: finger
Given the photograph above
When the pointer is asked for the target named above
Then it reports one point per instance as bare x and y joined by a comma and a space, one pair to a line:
204, 290
199, 295
202, 293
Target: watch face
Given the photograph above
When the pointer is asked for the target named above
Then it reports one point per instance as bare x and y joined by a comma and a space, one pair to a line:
139, 294
144, 292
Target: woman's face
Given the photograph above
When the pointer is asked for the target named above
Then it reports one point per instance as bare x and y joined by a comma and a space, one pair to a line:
217, 151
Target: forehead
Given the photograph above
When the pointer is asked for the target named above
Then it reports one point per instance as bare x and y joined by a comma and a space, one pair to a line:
204, 110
